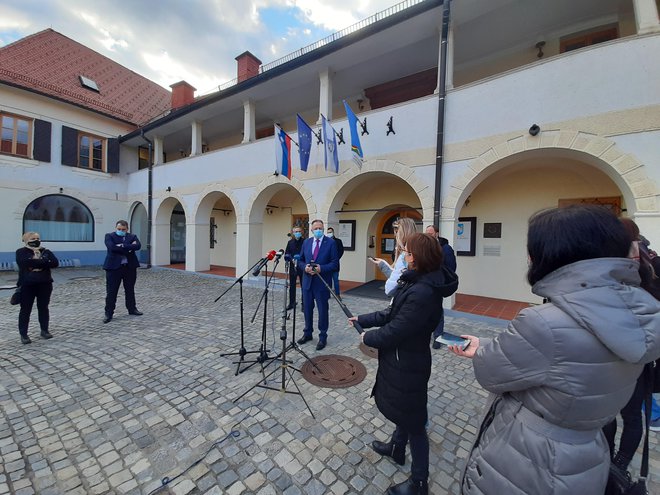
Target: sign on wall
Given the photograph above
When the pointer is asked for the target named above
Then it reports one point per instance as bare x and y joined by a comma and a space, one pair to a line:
465, 240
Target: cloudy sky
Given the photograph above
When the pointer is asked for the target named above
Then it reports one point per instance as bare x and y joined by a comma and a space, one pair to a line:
193, 40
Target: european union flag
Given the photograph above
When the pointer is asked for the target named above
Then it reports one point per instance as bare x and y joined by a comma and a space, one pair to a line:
304, 143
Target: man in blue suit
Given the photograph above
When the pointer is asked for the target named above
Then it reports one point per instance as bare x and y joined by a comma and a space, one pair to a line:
321, 253
120, 265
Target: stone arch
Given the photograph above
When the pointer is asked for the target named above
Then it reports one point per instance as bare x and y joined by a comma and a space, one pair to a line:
201, 214
21, 205
253, 206
628, 173
423, 190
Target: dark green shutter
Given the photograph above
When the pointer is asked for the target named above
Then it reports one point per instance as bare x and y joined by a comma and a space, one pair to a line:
113, 156
69, 146
42, 133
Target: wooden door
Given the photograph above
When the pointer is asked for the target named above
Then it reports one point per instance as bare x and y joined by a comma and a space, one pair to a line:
386, 237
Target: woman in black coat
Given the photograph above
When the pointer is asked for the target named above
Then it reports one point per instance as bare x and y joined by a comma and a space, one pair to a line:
35, 282
404, 356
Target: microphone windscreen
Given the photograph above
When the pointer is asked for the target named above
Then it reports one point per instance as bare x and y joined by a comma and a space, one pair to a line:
270, 255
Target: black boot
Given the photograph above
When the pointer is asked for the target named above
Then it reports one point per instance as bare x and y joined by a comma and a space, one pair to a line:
410, 487
390, 449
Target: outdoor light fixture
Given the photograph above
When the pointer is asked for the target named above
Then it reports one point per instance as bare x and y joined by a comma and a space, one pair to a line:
539, 46
169, 189
534, 130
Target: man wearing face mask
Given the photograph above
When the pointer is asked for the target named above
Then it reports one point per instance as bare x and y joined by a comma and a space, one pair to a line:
320, 258
292, 252
120, 265
340, 252
35, 282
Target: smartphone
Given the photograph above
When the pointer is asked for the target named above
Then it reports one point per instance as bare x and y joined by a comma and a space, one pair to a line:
371, 258
451, 339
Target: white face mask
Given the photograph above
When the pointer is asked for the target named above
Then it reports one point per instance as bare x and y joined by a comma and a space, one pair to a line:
330, 234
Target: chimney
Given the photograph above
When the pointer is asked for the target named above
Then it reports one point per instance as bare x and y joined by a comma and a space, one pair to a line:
248, 66
182, 94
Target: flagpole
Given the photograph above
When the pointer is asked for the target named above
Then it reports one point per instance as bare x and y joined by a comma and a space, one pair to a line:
288, 135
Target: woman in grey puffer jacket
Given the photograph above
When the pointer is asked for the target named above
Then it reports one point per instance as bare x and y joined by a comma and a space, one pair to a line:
563, 369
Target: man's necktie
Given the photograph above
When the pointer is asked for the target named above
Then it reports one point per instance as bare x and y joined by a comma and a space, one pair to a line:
315, 252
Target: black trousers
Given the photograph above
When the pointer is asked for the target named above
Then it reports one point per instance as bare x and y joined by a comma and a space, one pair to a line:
419, 451
294, 276
40, 292
113, 279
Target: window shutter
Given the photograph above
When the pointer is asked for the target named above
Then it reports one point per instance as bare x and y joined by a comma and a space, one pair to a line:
42, 130
69, 146
113, 156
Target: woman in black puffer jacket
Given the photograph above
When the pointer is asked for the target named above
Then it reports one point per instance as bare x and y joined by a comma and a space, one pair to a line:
404, 356
34, 279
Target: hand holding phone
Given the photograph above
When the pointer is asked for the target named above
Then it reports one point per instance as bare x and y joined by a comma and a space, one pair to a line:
451, 339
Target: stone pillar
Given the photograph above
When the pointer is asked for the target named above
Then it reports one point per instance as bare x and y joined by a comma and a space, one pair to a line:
196, 141
249, 248
198, 253
160, 245
448, 230
325, 95
646, 16
249, 117
158, 150
449, 76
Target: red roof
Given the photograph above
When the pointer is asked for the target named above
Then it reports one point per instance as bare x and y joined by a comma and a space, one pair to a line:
49, 63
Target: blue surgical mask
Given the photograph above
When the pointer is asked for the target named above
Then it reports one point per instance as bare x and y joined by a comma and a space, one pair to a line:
297, 235
318, 233
330, 234
121, 233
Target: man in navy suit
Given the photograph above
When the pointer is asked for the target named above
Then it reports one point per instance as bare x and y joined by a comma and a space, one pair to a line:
120, 266
319, 252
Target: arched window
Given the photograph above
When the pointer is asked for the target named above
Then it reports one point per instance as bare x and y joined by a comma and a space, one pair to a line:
78, 228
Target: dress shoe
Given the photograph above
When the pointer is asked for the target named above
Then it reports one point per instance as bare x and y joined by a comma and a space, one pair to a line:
390, 449
25, 340
304, 338
436, 345
321, 345
135, 312
107, 318
410, 487
46, 335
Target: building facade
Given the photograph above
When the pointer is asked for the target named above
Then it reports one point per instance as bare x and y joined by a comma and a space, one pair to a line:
547, 103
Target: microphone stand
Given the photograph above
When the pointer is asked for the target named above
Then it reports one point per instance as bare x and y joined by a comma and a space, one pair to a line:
284, 363
241, 352
343, 306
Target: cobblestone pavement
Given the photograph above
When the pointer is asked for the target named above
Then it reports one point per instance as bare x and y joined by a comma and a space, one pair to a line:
115, 408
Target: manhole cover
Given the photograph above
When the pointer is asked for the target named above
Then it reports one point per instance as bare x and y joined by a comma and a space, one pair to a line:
369, 351
333, 371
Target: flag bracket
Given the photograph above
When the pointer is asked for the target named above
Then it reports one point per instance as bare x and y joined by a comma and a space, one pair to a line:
340, 135
390, 126
319, 139
363, 125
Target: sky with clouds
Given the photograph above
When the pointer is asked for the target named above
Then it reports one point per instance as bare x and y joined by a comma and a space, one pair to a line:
194, 40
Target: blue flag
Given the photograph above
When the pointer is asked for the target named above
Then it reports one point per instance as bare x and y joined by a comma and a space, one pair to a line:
304, 143
356, 148
330, 143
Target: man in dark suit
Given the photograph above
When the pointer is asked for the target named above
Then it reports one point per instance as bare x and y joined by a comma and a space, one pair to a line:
292, 253
340, 253
319, 252
120, 265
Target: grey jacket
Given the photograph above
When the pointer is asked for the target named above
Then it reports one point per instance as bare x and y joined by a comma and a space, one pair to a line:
561, 371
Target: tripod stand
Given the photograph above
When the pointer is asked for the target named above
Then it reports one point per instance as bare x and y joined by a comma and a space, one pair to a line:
284, 364
242, 351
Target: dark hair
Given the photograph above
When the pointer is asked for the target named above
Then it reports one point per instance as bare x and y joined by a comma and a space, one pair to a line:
631, 227
561, 236
426, 250
123, 223
315, 221
434, 227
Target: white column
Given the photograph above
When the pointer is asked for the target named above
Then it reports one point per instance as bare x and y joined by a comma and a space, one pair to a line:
196, 141
325, 95
449, 78
198, 253
160, 244
249, 117
646, 16
158, 150
249, 247
447, 230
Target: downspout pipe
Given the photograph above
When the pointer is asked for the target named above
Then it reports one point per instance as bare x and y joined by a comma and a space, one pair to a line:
150, 196
440, 138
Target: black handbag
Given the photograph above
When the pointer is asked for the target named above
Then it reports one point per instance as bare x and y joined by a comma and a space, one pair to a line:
15, 297
620, 482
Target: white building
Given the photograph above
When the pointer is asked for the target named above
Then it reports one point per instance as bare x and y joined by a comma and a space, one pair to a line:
547, 103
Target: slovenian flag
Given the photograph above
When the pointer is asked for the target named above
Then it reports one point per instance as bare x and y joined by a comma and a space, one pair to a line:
330, 143
304, 142
356, 148
283, 152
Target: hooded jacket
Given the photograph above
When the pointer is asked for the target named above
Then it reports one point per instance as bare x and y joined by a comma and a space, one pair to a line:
562, 370
404, 357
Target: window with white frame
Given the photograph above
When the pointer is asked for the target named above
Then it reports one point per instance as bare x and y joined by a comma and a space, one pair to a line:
16, 135
58, 217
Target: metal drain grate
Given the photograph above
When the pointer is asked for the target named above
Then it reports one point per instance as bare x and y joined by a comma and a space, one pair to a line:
333, 371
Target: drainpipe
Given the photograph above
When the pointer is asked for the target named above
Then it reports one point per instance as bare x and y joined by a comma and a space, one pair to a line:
150, 196
440, 140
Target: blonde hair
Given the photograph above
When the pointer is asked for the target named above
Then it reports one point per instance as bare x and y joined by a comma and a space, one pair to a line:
406, 228
27, 235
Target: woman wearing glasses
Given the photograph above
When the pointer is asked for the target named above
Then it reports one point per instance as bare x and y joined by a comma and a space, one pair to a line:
404, 356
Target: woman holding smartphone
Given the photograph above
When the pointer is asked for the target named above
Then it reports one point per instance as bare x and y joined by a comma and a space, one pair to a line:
563, 369
403, 229
404, 356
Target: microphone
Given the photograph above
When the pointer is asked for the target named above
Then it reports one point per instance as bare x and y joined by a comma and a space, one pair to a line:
279, 254
269, 256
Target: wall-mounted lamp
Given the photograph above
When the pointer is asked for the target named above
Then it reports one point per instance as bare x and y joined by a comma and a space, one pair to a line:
169, 189
360, 103
181, 152
534, 130
227, 213
539, 46
61, 190
269, 211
